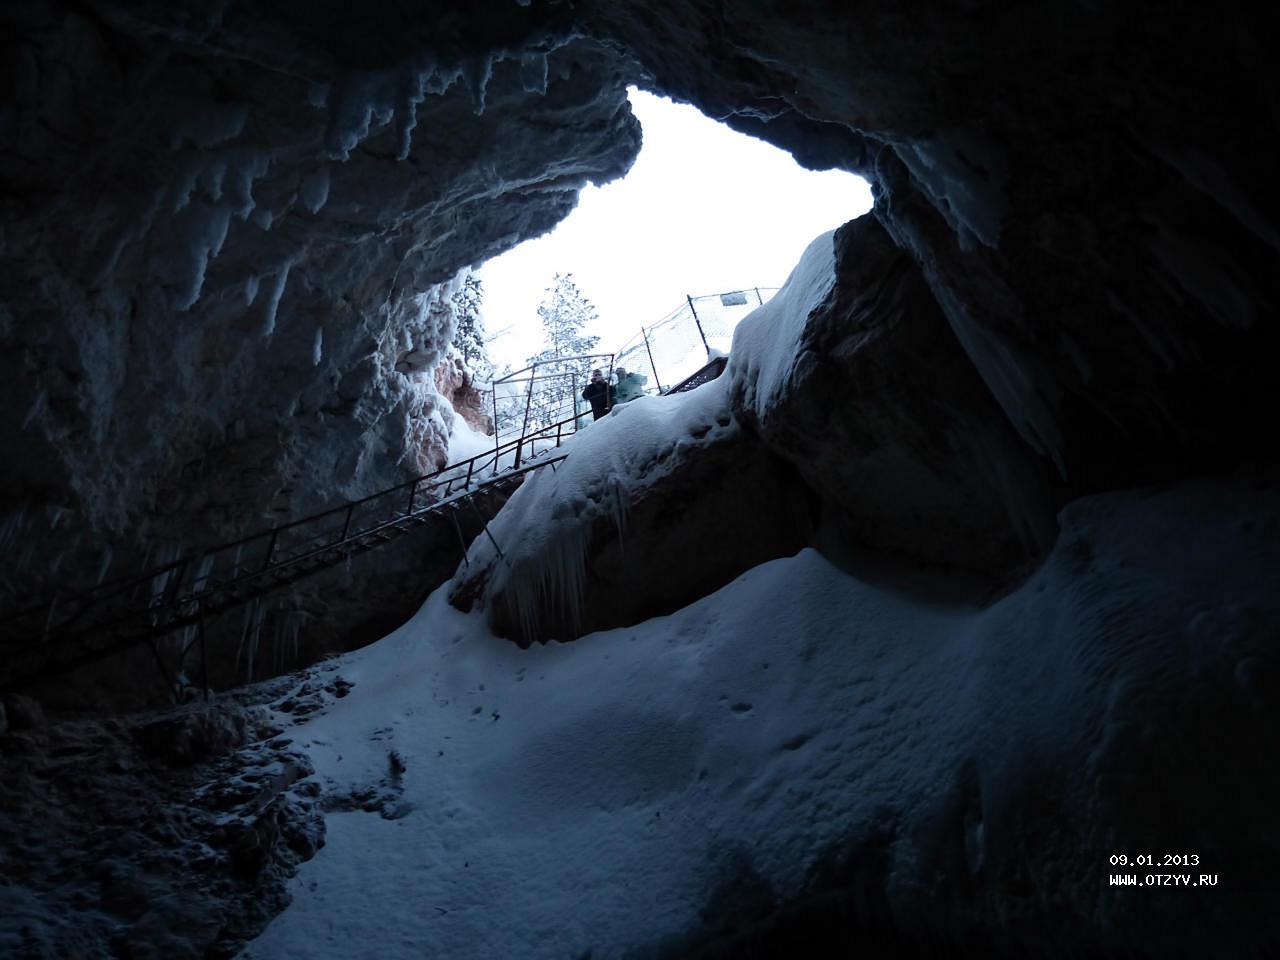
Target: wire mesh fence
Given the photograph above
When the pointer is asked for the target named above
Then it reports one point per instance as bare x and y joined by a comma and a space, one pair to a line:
679, 344
545, 394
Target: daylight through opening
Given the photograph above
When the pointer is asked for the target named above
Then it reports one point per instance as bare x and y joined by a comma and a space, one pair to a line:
645, 281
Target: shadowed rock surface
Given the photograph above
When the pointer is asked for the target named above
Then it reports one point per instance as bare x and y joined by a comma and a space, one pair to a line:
227, 252
892, 427
714, 511
224, 233
159, 835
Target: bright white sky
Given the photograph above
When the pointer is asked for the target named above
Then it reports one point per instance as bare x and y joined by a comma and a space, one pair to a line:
703, 210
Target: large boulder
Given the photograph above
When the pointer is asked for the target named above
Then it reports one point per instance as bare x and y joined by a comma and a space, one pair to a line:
636, 523
887, 419
1080, 186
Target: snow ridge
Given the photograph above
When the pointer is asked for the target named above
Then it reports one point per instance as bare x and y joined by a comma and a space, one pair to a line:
544, 531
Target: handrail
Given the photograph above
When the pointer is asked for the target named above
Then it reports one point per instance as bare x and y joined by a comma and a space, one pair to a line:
700, 376
549, 360
433, 507
104, 592
116, 629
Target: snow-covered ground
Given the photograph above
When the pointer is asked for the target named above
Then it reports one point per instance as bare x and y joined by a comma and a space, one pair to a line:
591, 796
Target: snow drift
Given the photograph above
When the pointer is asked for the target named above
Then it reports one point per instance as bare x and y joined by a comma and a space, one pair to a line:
972, 768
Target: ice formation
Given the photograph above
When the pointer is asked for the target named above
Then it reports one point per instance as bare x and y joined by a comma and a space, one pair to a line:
544, 529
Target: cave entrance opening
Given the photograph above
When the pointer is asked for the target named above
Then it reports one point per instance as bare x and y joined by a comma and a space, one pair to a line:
703, 229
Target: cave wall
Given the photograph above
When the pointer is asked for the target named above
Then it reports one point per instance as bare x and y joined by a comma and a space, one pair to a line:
229, 241
1079, 184
229, 236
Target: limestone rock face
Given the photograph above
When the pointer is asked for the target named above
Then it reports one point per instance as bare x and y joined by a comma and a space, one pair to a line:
228, 244
229, 236
454, 382
1079, 186
683, 537
890, 424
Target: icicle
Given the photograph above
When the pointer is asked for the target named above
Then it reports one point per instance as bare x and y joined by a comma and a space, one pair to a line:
11, 528
314, 190
317, 348
202, 573
212, 176
248, 167
186, 183
273, 299
533, 72
205, 238
37, 407
250, 637
412, 93
476, 72
106, 565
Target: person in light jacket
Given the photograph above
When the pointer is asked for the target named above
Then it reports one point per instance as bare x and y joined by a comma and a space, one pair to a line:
630, 386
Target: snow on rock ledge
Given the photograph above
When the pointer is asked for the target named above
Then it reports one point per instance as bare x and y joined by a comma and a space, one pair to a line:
852, 373
656, 505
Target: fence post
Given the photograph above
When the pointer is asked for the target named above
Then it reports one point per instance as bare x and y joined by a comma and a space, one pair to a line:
494, 387
758, 297
656, 379
706, 346
528, 403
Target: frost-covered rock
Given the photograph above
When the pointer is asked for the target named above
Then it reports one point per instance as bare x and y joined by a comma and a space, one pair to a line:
1102, 243
647, 513
454, 382
852, 373
228, 244
157, 835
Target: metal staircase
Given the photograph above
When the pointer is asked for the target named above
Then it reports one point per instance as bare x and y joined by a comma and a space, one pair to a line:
71, 630
68, 631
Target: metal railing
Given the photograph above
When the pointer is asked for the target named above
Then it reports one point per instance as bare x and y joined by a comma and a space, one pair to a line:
682, 342
544, 393
130, 610
118, 614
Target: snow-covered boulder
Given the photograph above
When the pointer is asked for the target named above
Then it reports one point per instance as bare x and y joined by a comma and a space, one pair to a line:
852, 373
658, 504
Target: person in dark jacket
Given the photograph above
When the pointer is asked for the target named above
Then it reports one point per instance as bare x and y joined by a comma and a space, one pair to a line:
599, 394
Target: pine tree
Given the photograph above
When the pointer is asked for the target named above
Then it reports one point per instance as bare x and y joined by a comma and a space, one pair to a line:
468, 339
564, 313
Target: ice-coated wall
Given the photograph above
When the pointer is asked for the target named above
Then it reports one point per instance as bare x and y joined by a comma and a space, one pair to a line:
228, 229
229, 240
